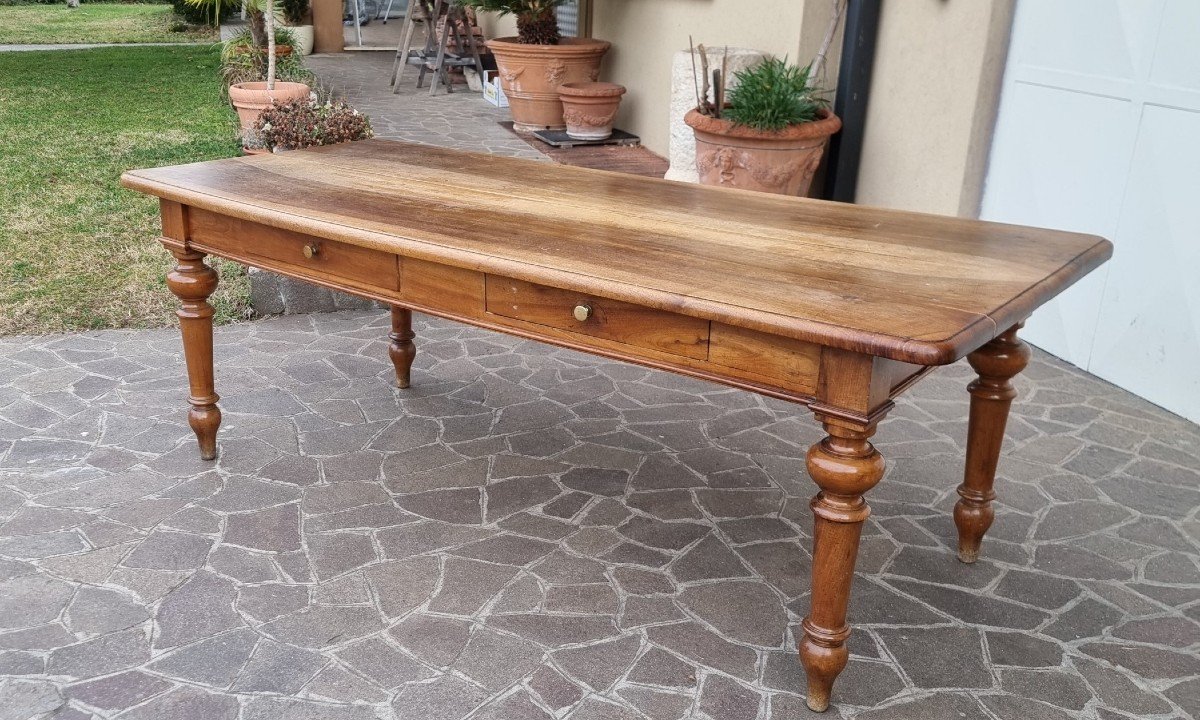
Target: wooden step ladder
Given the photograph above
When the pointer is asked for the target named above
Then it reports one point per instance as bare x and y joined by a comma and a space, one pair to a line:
435, 57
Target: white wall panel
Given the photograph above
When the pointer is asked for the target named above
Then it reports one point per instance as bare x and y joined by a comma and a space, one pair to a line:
1149, 317
1099, 131
1054, 173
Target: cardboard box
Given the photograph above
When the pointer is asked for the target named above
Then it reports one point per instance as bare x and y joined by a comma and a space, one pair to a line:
492, 92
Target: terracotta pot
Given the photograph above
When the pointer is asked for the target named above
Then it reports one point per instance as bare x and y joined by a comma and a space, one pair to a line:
589, 108
251, 98
532, 74
255, 151
280, 50
780, 162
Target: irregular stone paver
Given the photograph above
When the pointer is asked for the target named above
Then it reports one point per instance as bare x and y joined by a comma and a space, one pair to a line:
587, 555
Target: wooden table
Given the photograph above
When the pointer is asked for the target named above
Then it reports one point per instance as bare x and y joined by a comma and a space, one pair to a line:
838, 307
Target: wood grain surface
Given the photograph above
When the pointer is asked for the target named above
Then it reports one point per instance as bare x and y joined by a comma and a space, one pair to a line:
915, 288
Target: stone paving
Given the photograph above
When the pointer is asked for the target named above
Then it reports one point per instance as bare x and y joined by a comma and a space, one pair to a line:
532, 533
459, 119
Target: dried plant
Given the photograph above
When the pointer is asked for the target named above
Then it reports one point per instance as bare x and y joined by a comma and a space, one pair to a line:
309, 122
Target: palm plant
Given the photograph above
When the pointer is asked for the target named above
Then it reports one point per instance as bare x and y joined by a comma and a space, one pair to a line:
537, 21
294, 11
261, 14
212, 10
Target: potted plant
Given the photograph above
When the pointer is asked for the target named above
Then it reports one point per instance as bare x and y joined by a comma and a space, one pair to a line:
299, 19
770, 133
308, 122
242, 61
250, 98
538, 61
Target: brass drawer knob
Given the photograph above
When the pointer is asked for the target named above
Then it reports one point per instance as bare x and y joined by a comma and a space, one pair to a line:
583, 312
311, 250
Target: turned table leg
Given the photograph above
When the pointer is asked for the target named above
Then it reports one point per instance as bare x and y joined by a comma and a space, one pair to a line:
845, 466
193, 282
991, 396
402, 350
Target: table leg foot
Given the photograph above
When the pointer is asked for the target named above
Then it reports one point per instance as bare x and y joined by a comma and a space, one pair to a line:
823, 661
193, 282
845, 466
992, 394
204, 422
402, 350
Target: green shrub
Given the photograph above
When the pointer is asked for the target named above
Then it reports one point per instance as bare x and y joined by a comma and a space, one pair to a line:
202, 15
773, 96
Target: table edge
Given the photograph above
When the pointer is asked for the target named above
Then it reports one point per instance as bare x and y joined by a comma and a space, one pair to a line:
903, 349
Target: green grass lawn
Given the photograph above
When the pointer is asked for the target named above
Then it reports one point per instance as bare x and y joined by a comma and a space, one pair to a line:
88, 23
77, 251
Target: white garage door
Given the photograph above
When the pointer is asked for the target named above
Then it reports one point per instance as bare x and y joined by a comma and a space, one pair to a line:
1099, 131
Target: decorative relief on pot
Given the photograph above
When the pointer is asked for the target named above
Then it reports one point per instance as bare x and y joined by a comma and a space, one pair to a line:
726, 161
594, 75
510, 77
556, 72
574, 116
722, 159
771, 175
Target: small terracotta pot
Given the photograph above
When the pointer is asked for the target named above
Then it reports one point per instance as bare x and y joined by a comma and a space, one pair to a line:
589, 108
251, 98
532, 74
780, 162
255, 151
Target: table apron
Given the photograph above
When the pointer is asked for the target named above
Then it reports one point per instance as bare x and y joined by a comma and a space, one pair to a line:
770, 365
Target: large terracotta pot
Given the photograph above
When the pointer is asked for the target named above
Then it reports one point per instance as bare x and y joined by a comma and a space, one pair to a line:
780, 162
532, 74
589, 108
251, 98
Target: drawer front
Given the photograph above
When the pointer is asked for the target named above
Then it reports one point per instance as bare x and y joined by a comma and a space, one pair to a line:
312, 256
607, 319
770, 359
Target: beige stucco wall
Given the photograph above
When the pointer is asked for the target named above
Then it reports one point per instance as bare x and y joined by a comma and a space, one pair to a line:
934, 94
646, 34
495, 26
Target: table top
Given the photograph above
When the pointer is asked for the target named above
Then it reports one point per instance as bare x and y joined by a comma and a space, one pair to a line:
916, 288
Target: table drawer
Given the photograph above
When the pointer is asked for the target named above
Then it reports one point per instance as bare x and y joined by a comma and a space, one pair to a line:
603, 318
313, 256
